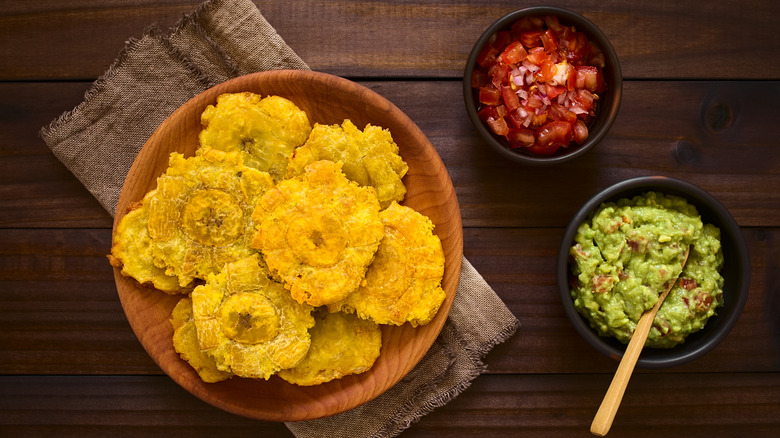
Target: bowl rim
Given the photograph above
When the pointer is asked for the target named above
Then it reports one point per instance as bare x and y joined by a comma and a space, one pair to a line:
726, 317
611, 60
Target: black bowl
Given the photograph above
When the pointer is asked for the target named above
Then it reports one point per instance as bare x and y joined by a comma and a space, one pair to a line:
609, 101
736, 272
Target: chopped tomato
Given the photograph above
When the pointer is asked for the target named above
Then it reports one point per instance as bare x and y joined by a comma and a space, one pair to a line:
514, 53
531, 39
536, 55
580, 132
489, 95
547, 72
587, 77
511, 100
539, 119
538, 84
520, 137
549, 41
553, 23
555, 133
561, 113
538, 149
498, 126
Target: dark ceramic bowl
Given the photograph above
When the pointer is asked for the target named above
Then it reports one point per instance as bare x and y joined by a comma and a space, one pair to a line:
609, 101
736, 272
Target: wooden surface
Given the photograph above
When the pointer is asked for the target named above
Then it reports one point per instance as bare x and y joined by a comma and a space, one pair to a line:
701, 86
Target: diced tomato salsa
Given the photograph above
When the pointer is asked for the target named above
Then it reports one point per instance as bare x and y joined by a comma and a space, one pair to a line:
538, 84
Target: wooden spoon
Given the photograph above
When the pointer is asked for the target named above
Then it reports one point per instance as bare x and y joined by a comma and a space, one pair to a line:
609, 406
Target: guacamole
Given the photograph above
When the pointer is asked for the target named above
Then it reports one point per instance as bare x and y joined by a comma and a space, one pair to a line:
628, 252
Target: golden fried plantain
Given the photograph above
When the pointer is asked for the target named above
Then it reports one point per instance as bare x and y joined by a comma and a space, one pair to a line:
201, 214
130, 251
185, 342
341, 344
249, 323
318, 232
369, 157
403, 284
267, 129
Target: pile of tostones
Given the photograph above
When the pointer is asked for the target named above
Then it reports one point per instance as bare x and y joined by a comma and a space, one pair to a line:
287, 243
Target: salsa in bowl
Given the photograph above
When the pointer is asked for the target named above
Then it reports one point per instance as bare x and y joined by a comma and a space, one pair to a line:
542, 85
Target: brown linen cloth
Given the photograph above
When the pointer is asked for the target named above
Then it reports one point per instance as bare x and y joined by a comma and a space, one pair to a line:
99, 139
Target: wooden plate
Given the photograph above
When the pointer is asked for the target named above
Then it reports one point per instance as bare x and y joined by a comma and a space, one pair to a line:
326, 99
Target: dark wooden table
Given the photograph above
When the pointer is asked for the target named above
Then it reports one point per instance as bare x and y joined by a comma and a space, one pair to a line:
701, 103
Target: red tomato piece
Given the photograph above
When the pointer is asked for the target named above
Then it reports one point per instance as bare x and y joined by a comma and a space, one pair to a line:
567, 39
537, 55
486, 112
587, 77
561, 113
538, 149
553, 91
487, 56
549, 41
584, 99
514, 53
531, 39
547, 72
555, 133
520, 137
516, 118
501, 111
501, 74
552, 23
498, 126
511, 100
580, 131
539, 119
489, 95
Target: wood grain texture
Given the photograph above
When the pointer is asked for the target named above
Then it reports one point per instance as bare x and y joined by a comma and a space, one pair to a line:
326, 99
661, 39
717, 135
495, 405
700, 95
60, 314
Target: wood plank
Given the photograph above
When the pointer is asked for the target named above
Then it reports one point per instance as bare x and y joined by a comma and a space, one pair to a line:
700, 405
717, 135
98, 406
73, 40
59, 312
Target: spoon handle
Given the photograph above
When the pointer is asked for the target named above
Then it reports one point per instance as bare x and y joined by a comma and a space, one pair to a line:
609, 406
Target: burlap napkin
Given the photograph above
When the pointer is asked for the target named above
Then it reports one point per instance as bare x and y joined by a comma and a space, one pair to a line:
99, 139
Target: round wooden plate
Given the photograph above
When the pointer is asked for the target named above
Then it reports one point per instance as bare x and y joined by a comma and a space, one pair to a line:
326, 99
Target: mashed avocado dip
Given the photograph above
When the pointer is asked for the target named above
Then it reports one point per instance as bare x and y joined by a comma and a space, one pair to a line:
629, 251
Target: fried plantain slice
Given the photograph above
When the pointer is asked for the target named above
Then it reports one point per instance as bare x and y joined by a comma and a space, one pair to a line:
318, 232
249, 323
268, 129
130, 251
369, 157
341, 344
185, 342
201, 214
403, 284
